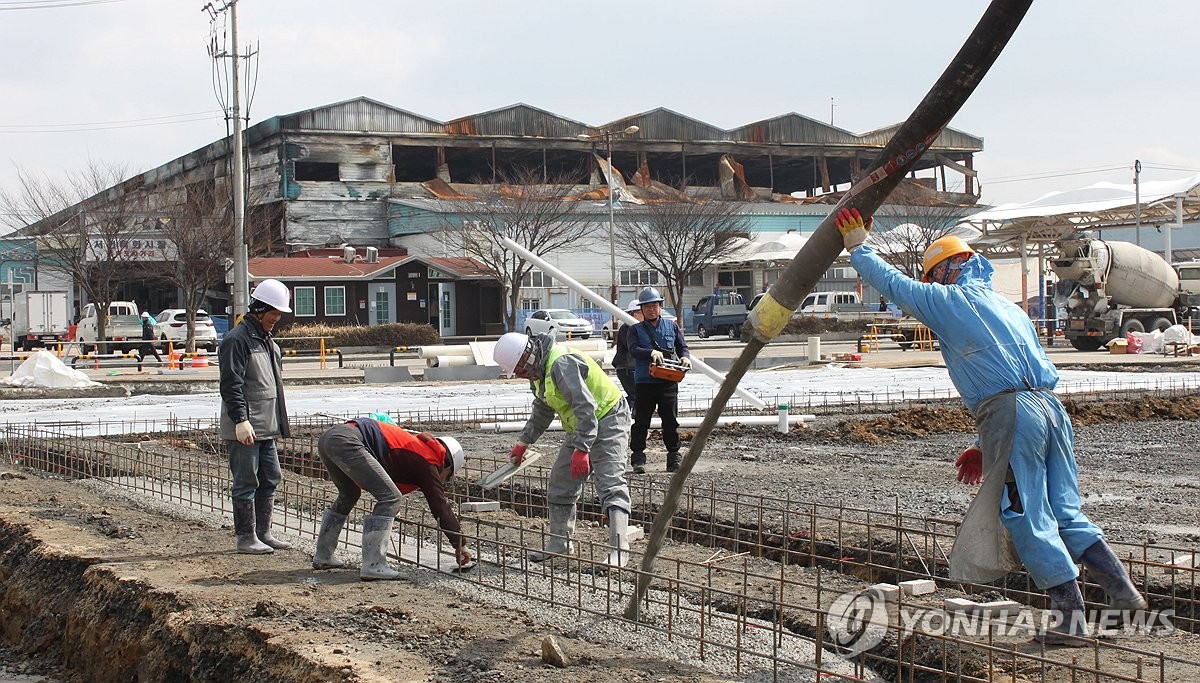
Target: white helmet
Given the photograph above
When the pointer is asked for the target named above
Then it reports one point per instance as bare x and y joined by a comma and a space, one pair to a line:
509, 350
633, 306
454, 448
274, 294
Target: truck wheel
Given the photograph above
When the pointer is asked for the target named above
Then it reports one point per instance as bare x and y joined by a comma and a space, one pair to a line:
701, 332
1133, 325
734, 332
1159, 324
1086, 343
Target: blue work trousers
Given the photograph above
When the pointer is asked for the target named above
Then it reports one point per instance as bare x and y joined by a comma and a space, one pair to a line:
1040, 504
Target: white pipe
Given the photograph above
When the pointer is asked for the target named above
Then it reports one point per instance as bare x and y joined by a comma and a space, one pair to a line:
656, 423
443, 350
449, 361
620, 314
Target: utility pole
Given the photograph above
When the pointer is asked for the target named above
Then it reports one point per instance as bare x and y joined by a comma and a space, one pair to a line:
240, 291
1137, 202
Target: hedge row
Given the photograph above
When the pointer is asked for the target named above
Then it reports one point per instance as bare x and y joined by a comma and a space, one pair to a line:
389, 335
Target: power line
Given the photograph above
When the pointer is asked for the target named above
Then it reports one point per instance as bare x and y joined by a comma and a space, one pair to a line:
1056, 174
16, 5
111, 125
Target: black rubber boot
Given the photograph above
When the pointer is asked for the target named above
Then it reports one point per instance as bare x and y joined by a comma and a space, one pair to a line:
673, 460
1105, 567
243, 527
263, 509
1071, 627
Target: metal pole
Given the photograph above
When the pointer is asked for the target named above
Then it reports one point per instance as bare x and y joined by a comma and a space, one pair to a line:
1137, 199
1171, 226
240, 256
612, 239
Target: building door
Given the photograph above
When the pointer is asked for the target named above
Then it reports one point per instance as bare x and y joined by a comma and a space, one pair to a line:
383, 303
442, 307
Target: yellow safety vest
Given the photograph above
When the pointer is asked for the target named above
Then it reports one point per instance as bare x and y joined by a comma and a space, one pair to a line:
603, 389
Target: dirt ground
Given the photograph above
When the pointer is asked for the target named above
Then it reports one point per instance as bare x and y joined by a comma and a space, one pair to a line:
75, 560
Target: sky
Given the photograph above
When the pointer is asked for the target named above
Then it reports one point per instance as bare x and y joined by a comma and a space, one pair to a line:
1083, 89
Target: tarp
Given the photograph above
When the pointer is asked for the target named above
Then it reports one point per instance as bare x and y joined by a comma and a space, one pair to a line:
44, 369
1102, 205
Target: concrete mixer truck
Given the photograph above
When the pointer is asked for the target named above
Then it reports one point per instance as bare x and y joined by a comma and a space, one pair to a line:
1112, 288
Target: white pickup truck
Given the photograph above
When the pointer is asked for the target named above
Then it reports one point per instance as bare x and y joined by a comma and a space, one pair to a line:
122, 328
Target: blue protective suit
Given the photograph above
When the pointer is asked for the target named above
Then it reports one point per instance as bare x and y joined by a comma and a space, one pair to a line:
991, 351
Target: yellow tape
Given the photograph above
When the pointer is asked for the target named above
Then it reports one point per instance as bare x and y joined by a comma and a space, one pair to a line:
768, 318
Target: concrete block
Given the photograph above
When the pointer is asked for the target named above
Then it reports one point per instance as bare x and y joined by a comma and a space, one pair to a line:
918, 587
636, 532
996, 608
462, 373
1189, 561
386, 375
958, 605
479, 506
890, 592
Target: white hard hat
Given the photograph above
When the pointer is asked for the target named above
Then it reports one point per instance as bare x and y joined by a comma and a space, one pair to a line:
274, 294
633, 305
145, 314
454, 448
509, 350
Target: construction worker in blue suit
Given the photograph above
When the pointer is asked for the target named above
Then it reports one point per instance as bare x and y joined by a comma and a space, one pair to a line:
1024, 455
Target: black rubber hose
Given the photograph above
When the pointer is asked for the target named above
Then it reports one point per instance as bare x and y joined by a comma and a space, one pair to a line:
934, 112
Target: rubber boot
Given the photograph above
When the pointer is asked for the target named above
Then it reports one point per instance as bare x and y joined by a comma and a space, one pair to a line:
327, 541
618, 538
562, 528
377, 531
1105, 567
263, 507
673, 460
243, 526
1071, 629
638, 460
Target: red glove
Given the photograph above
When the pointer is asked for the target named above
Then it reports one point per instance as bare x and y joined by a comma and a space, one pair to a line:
463, 557
580, 464
517, 454
970, 466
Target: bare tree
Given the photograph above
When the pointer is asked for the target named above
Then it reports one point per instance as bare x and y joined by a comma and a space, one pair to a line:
97, 244
537, 213
200, 229
903, 233
681, 238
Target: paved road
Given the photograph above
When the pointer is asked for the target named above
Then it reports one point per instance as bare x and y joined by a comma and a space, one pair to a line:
716, 352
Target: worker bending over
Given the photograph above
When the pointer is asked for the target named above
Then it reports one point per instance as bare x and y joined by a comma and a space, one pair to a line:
387, 461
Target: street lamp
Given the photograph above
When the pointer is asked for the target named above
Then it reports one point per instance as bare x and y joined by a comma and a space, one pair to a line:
612, 242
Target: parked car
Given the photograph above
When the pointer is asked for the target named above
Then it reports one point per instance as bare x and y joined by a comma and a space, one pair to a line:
172, 327
559, 322
607, 330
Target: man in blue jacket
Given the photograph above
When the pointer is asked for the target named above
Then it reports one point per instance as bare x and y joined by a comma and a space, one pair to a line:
1025, 442
650, 342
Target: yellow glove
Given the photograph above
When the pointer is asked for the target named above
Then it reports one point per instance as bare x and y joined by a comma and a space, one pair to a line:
849, 222
685, 362
656, 357
244, 432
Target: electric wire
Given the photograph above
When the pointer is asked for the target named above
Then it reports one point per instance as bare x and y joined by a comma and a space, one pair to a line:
16, 5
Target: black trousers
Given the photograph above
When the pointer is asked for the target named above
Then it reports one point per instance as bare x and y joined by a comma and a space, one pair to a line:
625, 376
662, 397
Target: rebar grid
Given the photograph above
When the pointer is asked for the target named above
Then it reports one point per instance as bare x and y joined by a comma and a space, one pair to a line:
786, 560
